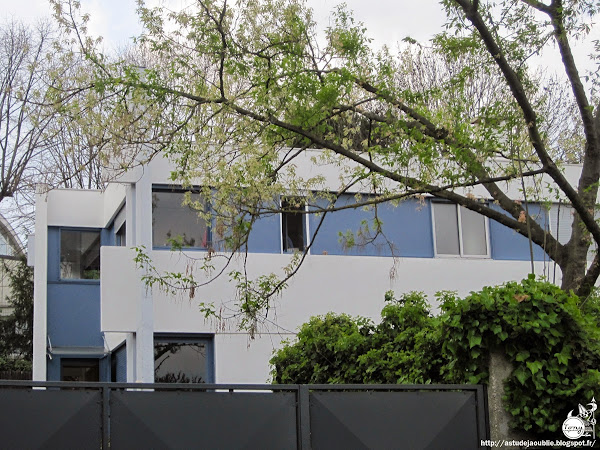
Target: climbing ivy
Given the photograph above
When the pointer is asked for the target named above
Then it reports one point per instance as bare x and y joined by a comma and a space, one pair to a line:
551, 338
553, 346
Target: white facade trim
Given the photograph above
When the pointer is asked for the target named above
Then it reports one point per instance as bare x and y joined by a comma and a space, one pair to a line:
40, 283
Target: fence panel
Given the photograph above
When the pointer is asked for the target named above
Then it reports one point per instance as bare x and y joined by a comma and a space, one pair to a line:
50, 419
207, 420
158, 416
384, 420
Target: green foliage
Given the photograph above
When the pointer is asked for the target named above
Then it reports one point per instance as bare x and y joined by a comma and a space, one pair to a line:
326, 351
16, 330
554, 347
404, 347
342, 349
14, 365
550, 337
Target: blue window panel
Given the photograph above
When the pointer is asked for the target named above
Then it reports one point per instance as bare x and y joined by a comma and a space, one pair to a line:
119, 364
53, 253
265, 236
74, 315
407, 228
507, 244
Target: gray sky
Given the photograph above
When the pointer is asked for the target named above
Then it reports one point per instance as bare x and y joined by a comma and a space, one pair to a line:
387, 21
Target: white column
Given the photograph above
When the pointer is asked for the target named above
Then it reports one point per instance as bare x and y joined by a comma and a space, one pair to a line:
130, 215
40, 284
144, 339
130, 347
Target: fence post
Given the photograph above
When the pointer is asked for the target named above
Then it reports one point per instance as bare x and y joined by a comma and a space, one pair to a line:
304, 413
105, 417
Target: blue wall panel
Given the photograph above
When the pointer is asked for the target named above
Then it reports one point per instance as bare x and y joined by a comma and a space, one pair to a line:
510, 245
265, 236
407, 229
74, 314
120, 363
53, 253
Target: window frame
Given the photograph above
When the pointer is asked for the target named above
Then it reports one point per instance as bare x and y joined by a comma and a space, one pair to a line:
209, 225
192, 338
77, 280
305, 225
460, 234
79, 362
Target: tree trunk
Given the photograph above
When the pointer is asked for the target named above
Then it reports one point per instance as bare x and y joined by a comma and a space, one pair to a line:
574, 260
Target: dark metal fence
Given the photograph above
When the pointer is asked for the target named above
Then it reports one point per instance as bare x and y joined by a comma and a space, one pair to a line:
15, 374
139, 416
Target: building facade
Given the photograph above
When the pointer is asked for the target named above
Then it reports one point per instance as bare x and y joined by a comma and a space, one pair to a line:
96, 319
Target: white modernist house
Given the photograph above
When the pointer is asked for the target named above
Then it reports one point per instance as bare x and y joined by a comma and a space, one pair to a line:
95, 319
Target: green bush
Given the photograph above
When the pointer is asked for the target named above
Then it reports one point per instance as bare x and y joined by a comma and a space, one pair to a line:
554, 348
550, 337
342, 349
14, 365
326, 352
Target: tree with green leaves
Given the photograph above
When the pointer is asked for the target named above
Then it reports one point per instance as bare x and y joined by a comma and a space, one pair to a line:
16, 329
244, 89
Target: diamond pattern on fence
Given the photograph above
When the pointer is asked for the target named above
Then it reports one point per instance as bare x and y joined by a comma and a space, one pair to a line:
50, 419
207, 420
383, 420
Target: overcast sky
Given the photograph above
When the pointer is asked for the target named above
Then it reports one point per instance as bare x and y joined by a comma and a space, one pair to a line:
388, 21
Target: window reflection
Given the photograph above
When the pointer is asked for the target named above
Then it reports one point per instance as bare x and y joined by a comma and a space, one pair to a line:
175, 223
80, 254
180, 362
84, 369
293, 224
459, 231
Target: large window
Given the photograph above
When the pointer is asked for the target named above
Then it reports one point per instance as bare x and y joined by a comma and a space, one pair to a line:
176, 224
182, 360
293, 224
82, 369
459, 231
79, 255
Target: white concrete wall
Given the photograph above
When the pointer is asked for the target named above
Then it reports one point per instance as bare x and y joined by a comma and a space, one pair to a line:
311, 164
113, 199
74, 208
119, 289
350, 284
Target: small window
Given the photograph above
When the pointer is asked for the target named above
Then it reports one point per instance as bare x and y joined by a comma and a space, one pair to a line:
176, 223
293, 224
459, 231
121, 236
84, 369
79, 255
181, 360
